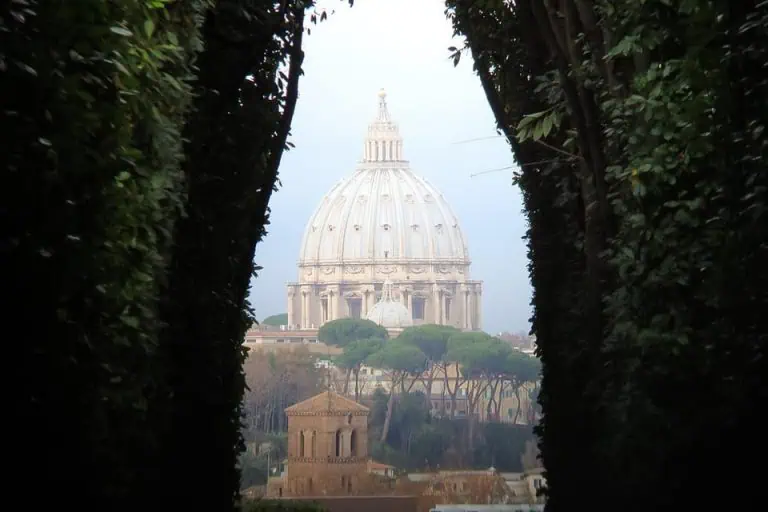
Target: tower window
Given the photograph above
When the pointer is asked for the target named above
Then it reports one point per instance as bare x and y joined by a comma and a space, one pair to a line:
353, 443
339, 439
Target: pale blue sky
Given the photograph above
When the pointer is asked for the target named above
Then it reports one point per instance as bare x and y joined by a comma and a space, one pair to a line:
402, 46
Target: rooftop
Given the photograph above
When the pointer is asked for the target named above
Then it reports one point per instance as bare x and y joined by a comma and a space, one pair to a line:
326, 401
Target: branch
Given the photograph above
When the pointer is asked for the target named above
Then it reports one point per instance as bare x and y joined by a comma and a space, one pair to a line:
291, 96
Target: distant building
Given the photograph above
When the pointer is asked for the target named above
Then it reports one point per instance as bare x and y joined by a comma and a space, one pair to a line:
384, 223
265, 337
464, 489
378, 468
327, 448
519, 507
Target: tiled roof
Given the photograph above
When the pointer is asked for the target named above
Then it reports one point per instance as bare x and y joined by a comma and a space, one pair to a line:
327, 401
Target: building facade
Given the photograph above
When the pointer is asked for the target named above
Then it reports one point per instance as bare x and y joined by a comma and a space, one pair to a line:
384, 223
327, 448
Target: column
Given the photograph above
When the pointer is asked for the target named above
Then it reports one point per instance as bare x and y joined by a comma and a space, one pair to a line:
436, 304
410, 302
331, 305
291, 295
303, 309
470, 311
368, 300
443, 312
479, 306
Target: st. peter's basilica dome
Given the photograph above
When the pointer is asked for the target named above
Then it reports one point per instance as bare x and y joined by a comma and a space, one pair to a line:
384, 223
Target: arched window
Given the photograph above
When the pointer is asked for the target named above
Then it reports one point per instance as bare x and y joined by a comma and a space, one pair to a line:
301, 443
313, 444
353, 443
339, 439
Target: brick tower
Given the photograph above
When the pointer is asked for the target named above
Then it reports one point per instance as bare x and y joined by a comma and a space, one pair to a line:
327, 446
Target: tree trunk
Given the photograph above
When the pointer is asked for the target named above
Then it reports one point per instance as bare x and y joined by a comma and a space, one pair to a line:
388, 417
347, 378
499, 402
471, 436
473, 397
490, 407
454, 392
519, 405
428, 383
357, 384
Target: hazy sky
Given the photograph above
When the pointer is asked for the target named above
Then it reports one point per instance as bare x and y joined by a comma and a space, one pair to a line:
402, 46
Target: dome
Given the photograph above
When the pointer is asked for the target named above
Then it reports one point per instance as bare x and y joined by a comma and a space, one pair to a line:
383, 211
384, 224
389, 313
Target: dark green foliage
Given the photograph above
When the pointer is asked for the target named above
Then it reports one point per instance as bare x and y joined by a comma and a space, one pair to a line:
93, 98
254, 464
642, 177
431, 339
357, 352
354, 356
133, 378
243, 110
688, 340
346, 330
501, 446
419, 442
276, 320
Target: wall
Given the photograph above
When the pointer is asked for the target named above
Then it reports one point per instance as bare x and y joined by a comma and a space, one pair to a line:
325, 472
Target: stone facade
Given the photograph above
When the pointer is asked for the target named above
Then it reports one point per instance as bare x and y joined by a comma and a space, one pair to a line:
327, 447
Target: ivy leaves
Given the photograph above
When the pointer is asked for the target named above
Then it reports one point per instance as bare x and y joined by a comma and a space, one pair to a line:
538, 125
658, 102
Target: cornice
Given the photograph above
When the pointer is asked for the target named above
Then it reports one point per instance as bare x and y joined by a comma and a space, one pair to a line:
326, 412
329, 460
303, 263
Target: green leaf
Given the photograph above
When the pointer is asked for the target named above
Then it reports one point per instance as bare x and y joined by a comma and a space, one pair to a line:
149, 27
547, 125
121, 31
121, 68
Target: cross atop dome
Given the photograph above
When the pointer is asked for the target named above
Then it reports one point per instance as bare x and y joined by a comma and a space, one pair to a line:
383, 143
383, 116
